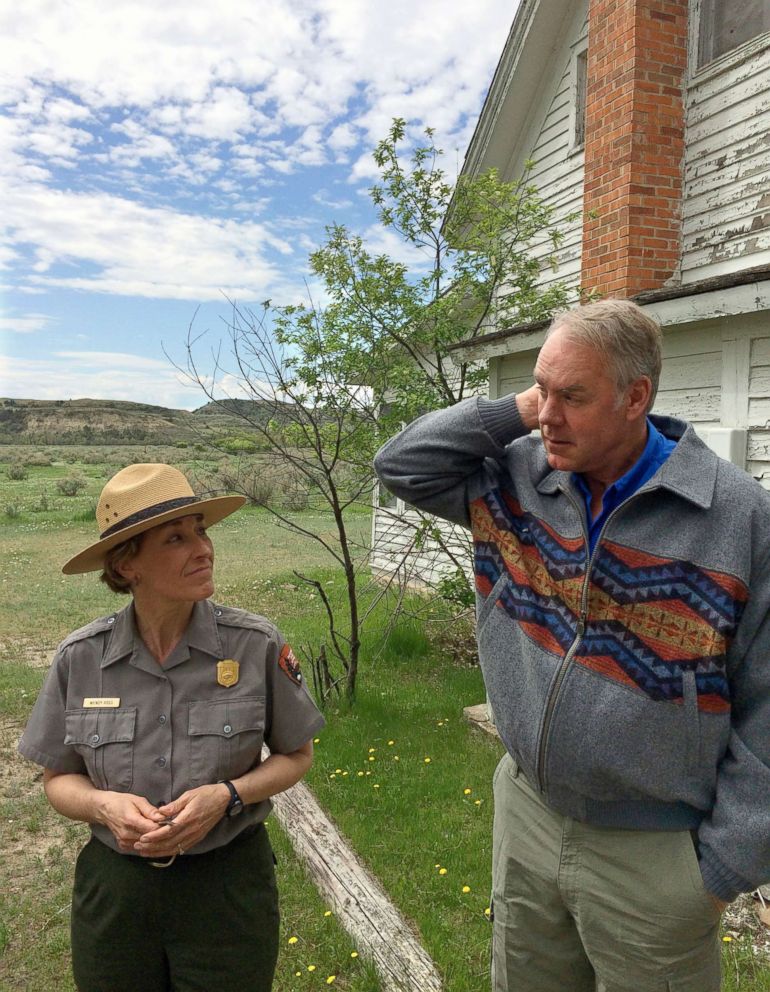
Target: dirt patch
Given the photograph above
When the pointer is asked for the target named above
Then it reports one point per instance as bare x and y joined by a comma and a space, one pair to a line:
29, 654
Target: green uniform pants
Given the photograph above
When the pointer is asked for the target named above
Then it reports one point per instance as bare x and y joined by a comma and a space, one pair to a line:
580, 908
207, 922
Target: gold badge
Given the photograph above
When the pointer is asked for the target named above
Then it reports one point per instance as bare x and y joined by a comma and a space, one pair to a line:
227, 672
100, 702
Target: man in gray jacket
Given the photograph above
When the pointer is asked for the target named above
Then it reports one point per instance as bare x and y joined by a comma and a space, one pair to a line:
623, 588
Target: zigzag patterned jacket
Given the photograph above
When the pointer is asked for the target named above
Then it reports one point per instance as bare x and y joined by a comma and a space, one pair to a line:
631, 687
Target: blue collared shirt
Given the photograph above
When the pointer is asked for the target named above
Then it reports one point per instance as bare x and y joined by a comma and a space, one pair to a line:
656, 451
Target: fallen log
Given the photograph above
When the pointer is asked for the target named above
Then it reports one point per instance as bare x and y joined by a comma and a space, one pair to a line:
362, 906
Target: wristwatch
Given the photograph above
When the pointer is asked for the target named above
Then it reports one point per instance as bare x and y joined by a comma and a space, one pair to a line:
236, 803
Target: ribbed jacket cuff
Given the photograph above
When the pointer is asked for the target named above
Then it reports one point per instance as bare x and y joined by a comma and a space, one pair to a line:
719, 879
502, 419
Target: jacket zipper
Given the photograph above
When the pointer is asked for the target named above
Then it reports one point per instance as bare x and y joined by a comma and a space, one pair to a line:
553, 695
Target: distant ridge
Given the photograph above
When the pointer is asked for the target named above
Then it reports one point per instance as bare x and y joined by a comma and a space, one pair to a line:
88, 421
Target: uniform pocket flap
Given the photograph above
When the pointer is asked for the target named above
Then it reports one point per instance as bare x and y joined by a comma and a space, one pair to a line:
95, 728
226, 717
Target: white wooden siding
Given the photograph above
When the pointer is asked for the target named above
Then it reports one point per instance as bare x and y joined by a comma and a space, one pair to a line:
393, 548
726, 198
557, 174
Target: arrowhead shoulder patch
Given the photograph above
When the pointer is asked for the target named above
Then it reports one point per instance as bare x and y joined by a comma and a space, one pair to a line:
289, 664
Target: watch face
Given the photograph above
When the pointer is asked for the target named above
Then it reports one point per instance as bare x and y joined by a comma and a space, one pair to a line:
235, 807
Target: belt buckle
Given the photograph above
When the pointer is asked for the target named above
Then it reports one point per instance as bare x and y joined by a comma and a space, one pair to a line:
163, 864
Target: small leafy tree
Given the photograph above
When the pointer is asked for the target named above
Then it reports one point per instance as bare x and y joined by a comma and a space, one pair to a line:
341, 378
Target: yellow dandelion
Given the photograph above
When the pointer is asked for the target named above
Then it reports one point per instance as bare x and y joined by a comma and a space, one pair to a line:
437, 866
426, 760
391, 743
442, 871
311, 967
333, 775
337, 771
344, 774
396, 757
331, 979
354, 954
371, 757
477, 802
328, 912
466, 889
372, 750
316, 740
440, 723
727, 939
293, 940
360, 774
488, 911
298, 974
368, 773
375, 786
467, 792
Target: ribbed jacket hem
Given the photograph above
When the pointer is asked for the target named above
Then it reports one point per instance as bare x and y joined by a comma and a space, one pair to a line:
501, 419
719, 879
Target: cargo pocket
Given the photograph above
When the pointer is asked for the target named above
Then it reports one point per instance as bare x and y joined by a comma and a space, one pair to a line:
105, 741
225, 737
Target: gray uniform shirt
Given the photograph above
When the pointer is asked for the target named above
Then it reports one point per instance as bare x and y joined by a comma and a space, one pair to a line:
110, 711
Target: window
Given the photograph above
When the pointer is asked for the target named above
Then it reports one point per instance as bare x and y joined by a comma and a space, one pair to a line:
581, 77
726, 24
578, 88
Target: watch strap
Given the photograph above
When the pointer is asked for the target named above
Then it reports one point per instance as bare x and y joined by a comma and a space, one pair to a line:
235, 799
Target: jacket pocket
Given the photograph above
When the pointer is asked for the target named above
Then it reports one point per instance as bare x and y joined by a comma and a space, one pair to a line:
105, 741
489, 603
691, 721
225, 737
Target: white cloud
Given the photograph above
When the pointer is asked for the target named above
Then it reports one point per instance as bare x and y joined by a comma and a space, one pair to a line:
25, 324
98, 375
142, 251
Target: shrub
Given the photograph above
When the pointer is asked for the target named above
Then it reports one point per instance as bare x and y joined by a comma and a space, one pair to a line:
17, 471
13, 511
43, 505
71, 485
39, 458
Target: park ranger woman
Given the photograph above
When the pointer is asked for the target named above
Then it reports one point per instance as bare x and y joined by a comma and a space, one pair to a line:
150, 728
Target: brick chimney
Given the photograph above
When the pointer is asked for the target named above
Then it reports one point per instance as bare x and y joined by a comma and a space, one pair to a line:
634, 144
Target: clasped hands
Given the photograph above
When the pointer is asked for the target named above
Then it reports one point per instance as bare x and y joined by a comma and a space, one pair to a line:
160, 832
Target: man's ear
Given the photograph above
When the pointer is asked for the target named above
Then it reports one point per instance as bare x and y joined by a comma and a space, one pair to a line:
638, 397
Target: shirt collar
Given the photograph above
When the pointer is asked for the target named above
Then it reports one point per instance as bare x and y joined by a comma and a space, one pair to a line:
201, 633
643, 469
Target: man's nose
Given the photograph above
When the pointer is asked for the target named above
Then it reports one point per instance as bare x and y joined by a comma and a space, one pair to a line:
549, 412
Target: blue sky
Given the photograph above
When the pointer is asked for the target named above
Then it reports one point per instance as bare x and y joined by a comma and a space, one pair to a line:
156, 158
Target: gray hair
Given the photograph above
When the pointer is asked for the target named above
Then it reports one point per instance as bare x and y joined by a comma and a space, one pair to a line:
121, 553
628, 338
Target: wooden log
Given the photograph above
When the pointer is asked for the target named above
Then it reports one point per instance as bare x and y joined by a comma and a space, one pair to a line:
360, 903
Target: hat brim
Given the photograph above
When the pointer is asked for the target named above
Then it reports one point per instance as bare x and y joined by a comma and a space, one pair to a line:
212, 510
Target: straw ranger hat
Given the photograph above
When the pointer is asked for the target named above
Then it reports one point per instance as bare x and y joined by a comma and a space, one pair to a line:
140, 497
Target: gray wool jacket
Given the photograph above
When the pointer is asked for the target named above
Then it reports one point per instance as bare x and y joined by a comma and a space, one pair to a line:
631, 685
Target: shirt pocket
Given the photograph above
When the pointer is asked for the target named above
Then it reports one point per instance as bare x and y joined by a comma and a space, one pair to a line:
104, 739
225, 737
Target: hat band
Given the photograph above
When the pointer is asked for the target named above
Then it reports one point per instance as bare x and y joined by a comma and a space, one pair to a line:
147, 513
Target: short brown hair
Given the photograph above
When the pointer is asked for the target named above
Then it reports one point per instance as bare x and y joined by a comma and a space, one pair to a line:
629, 339
123, 552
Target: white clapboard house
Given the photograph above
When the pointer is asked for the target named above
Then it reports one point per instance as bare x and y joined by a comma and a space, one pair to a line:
648, 120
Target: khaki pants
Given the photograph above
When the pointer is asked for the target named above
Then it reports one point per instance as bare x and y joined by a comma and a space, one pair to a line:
589, 909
